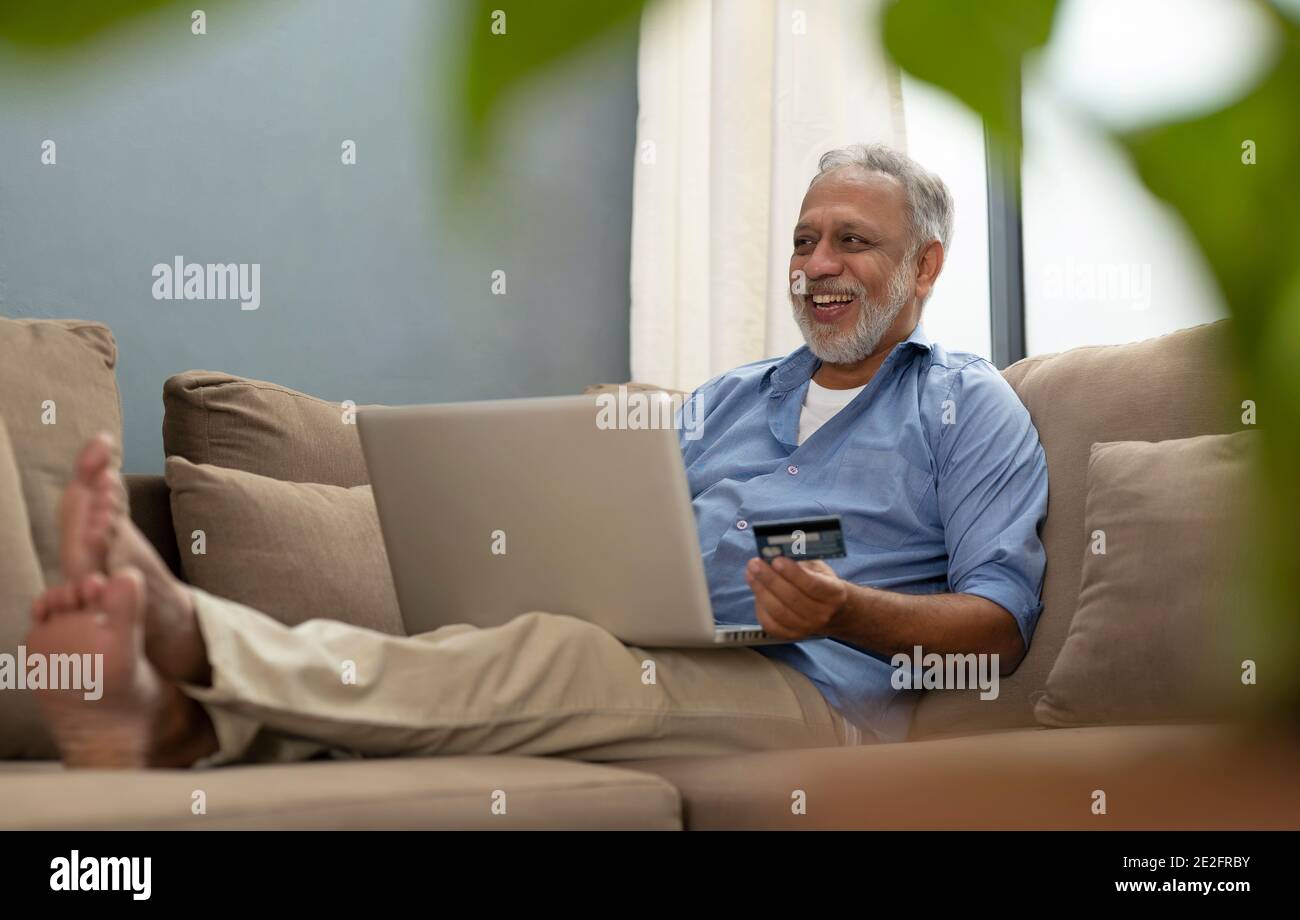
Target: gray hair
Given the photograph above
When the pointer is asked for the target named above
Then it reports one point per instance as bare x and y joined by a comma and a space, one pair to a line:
928, 199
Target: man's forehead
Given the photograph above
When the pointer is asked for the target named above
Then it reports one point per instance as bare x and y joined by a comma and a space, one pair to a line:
851, 193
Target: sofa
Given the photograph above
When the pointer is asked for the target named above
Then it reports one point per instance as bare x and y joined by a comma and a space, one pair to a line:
1059, 748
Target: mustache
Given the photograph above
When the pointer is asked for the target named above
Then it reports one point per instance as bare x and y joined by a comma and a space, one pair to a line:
855, 288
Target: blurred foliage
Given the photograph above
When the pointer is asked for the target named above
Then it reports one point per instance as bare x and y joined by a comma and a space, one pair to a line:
1246, 219
1245, 216
971, 49
510, 43
56, 23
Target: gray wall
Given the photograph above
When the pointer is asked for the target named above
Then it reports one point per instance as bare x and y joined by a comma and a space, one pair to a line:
225, 148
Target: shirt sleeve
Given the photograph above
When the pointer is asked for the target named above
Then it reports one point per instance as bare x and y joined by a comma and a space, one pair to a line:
689, 420
992, 489
691, 416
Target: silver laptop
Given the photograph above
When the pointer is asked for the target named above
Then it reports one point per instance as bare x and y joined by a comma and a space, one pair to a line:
493, 509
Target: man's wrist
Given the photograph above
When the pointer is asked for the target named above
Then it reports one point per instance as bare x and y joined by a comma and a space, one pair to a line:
850, 611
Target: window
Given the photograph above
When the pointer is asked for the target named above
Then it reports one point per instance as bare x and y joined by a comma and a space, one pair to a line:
1104, 260
948, 139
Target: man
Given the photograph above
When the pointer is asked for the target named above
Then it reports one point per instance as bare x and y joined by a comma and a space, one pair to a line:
927, 455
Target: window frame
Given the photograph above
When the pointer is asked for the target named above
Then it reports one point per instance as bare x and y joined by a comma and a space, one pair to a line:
1006, 251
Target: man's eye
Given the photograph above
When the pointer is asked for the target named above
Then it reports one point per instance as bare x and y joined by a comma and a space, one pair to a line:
802, 242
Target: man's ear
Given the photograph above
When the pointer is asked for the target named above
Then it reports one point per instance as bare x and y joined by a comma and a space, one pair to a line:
928, 267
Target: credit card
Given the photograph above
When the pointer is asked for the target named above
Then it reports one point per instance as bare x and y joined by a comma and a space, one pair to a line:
810, 538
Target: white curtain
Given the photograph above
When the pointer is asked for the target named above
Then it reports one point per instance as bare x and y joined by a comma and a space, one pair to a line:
738, 100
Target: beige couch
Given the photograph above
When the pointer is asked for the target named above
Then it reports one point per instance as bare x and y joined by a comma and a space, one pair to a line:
969, 764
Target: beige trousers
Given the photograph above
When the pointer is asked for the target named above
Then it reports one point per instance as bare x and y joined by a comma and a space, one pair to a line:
541, 684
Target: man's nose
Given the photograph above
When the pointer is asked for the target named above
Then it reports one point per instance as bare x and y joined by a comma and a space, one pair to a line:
823, 263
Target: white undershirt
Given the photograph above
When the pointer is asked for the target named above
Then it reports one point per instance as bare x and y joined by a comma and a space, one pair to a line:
820, 404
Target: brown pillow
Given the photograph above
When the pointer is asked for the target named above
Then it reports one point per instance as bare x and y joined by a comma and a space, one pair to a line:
260, 428
1154, 639
21, 731
60, 370
1075, 399
295, 551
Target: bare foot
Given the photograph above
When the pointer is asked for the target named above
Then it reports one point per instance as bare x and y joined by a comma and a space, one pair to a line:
85, 512
97, 535
122, 714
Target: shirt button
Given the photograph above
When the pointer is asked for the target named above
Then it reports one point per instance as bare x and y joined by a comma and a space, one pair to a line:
741, 525
792, 470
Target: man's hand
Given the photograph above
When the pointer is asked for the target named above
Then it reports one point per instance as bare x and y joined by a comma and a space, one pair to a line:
795, 600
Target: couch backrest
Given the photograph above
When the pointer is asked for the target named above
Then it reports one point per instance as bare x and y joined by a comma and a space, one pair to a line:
58, 386
1174, 386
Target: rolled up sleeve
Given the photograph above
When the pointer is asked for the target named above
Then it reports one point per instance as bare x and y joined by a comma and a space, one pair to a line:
992, 490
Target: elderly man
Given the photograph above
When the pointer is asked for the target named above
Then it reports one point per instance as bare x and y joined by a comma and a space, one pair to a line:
927, 455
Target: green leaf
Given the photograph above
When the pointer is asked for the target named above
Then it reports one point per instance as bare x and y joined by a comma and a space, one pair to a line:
55, 23
1244, 215
1246, 218
510, 43
972, 49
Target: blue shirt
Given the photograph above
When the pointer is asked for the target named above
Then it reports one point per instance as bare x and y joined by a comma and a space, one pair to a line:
934, 468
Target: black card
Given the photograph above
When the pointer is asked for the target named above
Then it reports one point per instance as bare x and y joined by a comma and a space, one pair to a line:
810, 538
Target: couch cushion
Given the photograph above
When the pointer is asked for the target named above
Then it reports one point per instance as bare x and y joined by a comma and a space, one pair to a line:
1013, 780
21, 730
58, 371
445, 793
1173, 386
261, 428
294, 550
1152, 640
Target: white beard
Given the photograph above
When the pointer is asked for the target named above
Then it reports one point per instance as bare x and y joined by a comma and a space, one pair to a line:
874, 319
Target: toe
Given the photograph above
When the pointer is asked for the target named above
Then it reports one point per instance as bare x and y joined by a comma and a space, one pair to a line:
107, 497
101, 522
60, 598
123, 593
95, 456
109, 489
89, 589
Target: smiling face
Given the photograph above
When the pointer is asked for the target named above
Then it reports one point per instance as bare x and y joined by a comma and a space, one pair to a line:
853, 245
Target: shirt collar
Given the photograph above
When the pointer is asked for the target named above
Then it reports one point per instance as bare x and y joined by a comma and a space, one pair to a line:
797, 368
